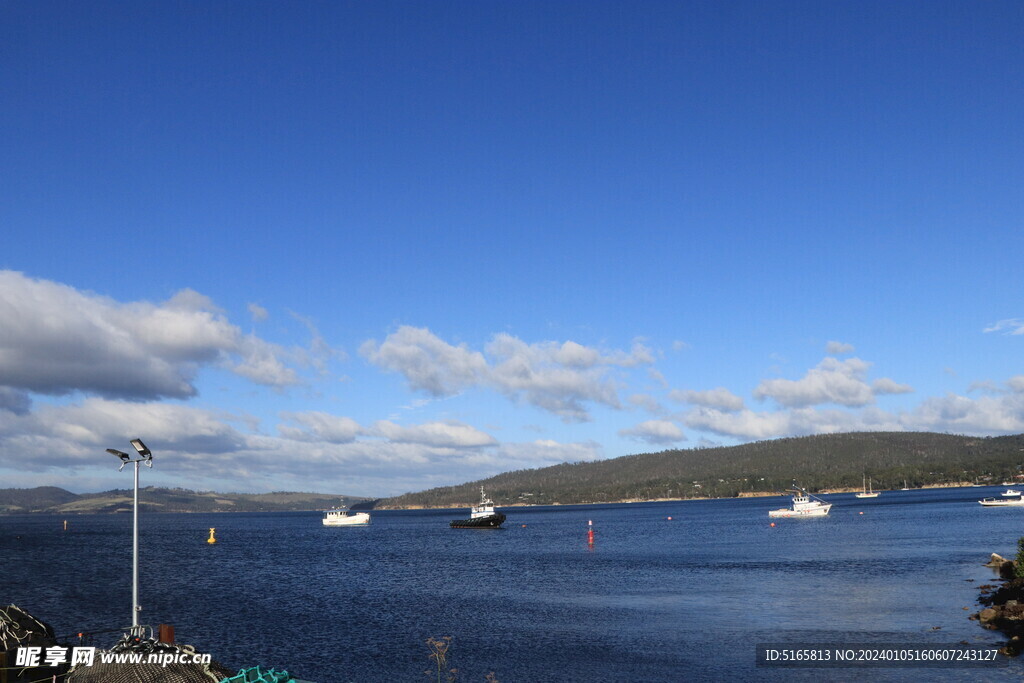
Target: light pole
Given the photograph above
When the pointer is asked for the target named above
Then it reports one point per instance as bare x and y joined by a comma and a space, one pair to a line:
144, 455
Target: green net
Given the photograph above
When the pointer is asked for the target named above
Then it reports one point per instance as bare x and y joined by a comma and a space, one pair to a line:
257, 675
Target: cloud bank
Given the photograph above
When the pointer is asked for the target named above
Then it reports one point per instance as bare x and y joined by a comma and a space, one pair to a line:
55, 340
557, 378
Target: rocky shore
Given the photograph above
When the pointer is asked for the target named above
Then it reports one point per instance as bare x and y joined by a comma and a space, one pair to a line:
1004, 605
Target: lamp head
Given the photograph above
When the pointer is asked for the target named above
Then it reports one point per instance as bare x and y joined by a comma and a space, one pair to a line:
120, 454
141, 448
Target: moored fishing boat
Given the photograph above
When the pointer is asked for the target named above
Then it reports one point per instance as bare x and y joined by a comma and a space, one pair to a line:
482, 516
804, 505
342, 517
1005, 502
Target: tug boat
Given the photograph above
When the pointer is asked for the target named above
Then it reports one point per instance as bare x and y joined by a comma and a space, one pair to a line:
481, 516
804, 505
346, 518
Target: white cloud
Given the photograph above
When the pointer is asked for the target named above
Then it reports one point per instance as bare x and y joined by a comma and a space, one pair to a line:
1009, 325
836, 347
437, 434
749, 424
536, 373
985, 415
884, 385
720, 398
544, 452
661, 432
832, 381
311, 451
261, 362
428, 363
559, 378
319, 426
258, 313
319, 351
647, 402
56, 340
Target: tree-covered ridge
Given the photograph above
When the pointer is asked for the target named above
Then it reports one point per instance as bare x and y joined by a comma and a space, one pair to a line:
828, 461
154, 499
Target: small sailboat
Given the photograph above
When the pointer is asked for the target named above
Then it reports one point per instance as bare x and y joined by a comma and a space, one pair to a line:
904, 486
867, 492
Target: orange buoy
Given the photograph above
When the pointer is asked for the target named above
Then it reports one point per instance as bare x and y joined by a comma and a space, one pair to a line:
669, 518
773, 523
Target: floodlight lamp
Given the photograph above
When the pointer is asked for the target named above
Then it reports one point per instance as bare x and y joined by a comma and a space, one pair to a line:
114, 451
141, 448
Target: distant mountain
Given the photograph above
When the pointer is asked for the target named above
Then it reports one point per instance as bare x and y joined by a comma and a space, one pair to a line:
31, 499
153, 499
832, 461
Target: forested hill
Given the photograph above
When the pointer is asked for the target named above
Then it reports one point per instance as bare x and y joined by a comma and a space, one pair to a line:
155, 499
832, 461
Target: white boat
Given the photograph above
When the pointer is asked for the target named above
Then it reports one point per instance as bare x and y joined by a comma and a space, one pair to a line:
904, 486
867, 492
804, 505
1011, 493
1007, 502
345, 518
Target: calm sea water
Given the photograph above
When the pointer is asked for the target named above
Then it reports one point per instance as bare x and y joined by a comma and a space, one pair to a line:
652, 600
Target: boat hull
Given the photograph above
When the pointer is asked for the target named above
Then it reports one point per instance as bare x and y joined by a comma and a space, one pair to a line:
487, 522
357, 519
786, 512
1010, 502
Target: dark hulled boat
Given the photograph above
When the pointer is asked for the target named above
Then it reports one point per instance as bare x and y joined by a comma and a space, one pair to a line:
482, 516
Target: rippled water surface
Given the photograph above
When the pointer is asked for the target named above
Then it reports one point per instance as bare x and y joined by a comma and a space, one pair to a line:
653, 600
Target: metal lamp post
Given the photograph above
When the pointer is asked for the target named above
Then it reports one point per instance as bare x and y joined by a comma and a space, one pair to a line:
144, 455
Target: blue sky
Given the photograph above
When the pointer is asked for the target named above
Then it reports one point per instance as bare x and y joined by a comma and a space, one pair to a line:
369, 248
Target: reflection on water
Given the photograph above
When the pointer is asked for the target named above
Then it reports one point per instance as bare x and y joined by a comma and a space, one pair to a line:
653, 599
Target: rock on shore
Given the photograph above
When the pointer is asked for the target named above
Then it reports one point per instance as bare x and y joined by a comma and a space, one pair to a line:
1004, 609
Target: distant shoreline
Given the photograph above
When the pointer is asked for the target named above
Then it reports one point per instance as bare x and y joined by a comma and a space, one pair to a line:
147, 507
742, 494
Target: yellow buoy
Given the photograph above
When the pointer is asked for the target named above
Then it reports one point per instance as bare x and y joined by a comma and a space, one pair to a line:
211, 539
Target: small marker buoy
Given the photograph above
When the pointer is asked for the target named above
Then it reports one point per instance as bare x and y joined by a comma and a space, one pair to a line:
861, 512
669, 518
524, 526
65, 525
773, 523
211, 539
